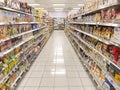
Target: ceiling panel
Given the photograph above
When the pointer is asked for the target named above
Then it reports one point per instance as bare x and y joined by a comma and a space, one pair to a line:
47, 4
58, 1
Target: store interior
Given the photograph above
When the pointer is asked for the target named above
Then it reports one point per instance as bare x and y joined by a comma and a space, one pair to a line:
59, 45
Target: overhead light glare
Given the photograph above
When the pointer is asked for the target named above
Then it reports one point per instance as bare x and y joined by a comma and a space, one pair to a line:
58, 4
80, 5
76, 8
58, 8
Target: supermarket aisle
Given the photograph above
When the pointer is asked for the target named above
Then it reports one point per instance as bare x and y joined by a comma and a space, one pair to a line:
57, 68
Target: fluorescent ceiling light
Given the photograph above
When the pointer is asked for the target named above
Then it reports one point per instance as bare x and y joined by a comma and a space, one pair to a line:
76, 8
80, 5
34, 4
58, 8
58, 4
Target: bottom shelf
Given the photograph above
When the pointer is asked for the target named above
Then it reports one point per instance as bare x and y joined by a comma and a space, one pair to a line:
25, 60
94, 78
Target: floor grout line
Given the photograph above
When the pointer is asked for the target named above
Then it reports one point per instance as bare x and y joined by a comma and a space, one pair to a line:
51, 50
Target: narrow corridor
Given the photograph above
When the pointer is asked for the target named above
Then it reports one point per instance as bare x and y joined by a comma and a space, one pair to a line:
57, 68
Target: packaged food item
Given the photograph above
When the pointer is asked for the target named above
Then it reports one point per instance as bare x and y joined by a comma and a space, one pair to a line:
104, 15
108, 33
115, 52
15, 4
107, 85
9, 44
114, 72
97, 17
1, 65
11, 55
17, 50
6, 70
2, 3
116, 36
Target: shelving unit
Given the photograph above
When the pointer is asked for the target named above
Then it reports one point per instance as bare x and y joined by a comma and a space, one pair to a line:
95, 38
22, 37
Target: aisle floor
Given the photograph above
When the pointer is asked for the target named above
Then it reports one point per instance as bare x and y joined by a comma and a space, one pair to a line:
57, 68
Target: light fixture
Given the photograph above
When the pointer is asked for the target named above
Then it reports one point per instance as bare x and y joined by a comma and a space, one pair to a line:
34, 4
80, 5
58, 8
58, 4
76, 8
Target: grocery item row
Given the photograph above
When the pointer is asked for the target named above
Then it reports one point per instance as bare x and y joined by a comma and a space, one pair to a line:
108, 51
23, 33
94, 34
7, 31
99, 4
111, 15
106, 76
16, 62
17, 4
92, 7
106, 34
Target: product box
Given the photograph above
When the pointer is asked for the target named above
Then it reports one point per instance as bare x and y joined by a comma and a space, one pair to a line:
15, 4
116, 36
6, 70
2, 3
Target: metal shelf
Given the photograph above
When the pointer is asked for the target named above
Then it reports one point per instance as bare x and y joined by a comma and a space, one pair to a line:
97, 10
18, 78
13, 10
76, 16
21, 34
105, 7
98, 38
14, 23
95, 78
7, 51
106, 58
97, 62
97, 24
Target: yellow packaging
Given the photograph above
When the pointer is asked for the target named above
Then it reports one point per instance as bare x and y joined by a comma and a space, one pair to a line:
6, 70
117, 78
16, 61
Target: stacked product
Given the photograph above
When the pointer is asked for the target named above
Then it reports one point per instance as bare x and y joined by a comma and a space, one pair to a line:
95, 37
22, 36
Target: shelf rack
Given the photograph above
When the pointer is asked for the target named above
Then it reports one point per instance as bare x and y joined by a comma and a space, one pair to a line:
81, 59
98, 38
14, 10
6, 78
106, 58
97, 10
97, 24
14, 36
103, 70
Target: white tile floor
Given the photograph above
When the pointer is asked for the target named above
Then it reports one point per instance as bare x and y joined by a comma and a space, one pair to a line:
57, 68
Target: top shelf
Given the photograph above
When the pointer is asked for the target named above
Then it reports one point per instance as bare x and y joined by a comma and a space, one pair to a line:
76, 16
102, 8
14, 10
97, 10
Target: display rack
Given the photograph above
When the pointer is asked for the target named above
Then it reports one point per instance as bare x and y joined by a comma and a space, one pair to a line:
94, 34
22, 37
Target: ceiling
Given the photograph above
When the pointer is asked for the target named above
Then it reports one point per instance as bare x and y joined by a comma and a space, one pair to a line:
48, 4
